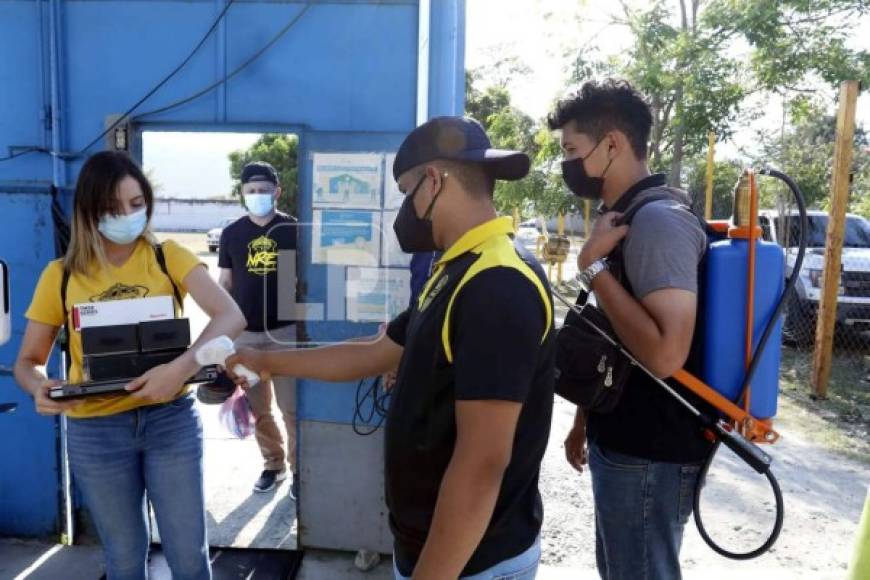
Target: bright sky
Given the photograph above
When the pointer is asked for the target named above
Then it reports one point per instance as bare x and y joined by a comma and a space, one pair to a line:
543, 35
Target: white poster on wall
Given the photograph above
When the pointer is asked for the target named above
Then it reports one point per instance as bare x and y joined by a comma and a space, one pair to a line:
377, 294
346, 237
393, 198
347, 180
391, 252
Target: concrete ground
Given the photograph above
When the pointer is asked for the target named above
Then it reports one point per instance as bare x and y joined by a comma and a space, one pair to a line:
237, 517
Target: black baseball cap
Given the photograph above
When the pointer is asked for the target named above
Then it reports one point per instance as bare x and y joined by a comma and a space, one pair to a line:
259, 171
458, 139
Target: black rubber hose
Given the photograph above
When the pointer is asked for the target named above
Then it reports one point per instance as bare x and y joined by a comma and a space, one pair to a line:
750, 372
777, 526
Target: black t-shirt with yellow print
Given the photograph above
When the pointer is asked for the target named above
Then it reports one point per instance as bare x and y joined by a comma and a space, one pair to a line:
251, 252
482, 329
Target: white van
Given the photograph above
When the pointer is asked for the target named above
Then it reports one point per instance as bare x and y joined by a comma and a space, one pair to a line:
853, 304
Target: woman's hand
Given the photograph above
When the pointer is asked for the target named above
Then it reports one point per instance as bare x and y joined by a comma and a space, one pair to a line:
45, 405
160, 384
250, 358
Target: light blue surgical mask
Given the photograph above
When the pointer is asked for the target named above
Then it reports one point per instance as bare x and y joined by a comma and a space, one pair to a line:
123, 229
259, 204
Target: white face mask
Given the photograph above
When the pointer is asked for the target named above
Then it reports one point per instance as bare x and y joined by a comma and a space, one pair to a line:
123, 229
259, 204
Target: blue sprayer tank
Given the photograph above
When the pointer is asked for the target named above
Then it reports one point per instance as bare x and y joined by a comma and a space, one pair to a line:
725, 304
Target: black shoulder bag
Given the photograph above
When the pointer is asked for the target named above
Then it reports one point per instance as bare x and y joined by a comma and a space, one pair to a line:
591, 372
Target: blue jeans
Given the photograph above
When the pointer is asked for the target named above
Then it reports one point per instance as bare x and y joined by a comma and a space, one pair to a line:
641, 508
522, 567
115, 460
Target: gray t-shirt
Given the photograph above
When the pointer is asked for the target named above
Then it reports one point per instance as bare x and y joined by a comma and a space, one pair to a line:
664, 245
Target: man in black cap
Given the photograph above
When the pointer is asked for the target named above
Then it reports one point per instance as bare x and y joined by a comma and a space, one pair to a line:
248, 260
471, 408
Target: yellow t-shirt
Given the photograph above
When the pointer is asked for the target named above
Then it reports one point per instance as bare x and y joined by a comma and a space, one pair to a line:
138, 277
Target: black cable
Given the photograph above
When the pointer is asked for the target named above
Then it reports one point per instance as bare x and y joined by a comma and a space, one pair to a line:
159, 85
363, 423
236, 71
750, 372
156, 88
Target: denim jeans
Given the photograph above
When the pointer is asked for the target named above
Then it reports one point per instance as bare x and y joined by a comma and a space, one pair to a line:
641, 508
115, 460
522, 567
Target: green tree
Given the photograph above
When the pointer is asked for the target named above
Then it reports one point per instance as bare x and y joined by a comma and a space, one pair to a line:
282, 152
687, 56
806, 153
725, 176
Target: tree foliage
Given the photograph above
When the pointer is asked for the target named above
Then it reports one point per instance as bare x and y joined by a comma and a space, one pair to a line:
699, 60
282, 152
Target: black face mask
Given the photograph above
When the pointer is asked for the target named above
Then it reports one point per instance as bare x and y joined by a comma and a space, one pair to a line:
578, 181
414, 233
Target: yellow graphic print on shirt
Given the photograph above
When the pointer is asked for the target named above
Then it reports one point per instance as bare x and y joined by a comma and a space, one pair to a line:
121, 292
262, 256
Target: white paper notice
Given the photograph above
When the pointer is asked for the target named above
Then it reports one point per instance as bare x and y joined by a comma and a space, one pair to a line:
393, 198
346, 237
351, 180
377, 294
391, 252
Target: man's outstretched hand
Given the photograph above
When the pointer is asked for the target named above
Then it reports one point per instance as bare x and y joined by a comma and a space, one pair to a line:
250, 358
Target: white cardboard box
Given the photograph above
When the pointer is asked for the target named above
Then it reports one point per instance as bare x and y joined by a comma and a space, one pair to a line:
130, 311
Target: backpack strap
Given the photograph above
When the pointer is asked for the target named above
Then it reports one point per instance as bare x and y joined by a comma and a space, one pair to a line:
161, 261
64, 330
632, 210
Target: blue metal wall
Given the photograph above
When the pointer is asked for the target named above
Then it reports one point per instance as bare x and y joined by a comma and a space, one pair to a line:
344, 78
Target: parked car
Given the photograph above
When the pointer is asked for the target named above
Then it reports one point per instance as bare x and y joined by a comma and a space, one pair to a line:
528, 232
853, 303
213, 237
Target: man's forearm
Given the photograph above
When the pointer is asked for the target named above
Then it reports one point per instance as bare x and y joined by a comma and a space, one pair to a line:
634, 326
466, 501
336, 363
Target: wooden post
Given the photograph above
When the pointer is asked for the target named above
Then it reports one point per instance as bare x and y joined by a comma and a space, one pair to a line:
834, 242
711, 150
587, 208
516, 219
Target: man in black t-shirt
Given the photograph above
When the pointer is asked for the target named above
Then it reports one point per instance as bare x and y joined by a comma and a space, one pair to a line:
471, 408
248, 262
645, 455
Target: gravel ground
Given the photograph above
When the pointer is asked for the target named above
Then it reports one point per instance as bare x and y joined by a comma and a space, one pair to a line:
823, 493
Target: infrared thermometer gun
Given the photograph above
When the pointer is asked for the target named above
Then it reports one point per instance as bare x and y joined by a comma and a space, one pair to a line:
217, 351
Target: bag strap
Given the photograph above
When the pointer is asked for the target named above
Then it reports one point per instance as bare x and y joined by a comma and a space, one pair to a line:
161, 261
628, 216
64, 330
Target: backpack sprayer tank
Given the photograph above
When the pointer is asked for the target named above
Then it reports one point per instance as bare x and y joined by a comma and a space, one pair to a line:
727, 306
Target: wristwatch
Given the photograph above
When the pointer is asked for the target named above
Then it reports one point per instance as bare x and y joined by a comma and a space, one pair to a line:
586, 277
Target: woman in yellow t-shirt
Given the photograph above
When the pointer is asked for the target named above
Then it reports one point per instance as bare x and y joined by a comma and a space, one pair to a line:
121, 446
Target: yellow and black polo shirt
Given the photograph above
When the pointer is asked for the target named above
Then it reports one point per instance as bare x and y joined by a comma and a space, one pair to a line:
482, 329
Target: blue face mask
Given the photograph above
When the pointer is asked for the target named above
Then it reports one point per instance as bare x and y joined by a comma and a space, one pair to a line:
259, 204
123, 229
